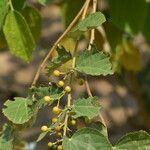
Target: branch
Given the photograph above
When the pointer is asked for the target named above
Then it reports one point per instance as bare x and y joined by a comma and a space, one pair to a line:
67, 115
85, 9
44, 62
92, 36
90, 94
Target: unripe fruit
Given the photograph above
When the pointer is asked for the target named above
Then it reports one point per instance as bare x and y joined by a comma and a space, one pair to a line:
80, 81
44, 128
56, 73
50, 144
47, 98
60, 147
73, 122
54, 120
61, 83
67, 89
87, 120
59, 134
56, 110
58, 128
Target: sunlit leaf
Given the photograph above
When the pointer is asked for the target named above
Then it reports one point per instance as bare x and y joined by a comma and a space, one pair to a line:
86, 107
93, 63
92, 21
3, 11
18, 36
19, 110
87, 138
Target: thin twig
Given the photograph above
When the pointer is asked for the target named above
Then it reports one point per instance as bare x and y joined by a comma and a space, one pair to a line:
56, 43
90, 94
88, 88
85, 9
67, 115
92, 35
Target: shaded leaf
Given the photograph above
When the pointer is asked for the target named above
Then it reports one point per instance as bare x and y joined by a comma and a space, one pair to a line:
86, 138
18, 36
93, 63
18, 111
5, 138
130, 56
3, 42
136, 140
33, 20
123, 14
63, 57
53, 91
99, 127
99, 40
113, 34
86, 107
92, 21
70, 7
146, 27
18, 4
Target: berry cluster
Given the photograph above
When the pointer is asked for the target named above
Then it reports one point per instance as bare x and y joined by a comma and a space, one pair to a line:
58, 124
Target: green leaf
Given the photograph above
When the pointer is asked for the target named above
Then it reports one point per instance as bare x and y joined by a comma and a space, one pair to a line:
94, 140
94, 20
19, 110
130, 56
70, 7
86, 107
45, 2
124, 16
3, 42
99, 127
53, 91
18, 36
93, 63
113, 34
18, 4
33, 20
146, 27
63, 57
138, 140
86, 139
5, 138
3, 11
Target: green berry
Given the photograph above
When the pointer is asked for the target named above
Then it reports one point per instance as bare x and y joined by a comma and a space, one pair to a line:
50, 144
61, 83
58, 128
73, 122
56, 110
44, 128
47, 98
56, 73
60, 147
68, 89
54, 120
59, 134
80, 81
